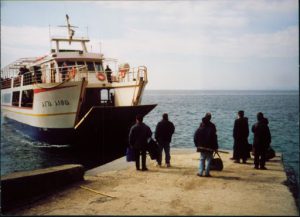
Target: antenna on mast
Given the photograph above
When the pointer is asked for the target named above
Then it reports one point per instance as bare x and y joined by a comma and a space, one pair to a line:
71, 31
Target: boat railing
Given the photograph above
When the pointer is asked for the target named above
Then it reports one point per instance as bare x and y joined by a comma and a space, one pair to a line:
73, 73
133, 74
46, 75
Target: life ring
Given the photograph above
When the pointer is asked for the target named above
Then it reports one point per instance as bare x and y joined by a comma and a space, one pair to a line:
72, 72
101, 76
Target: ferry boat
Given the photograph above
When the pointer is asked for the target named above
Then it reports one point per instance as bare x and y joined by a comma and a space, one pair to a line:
70, 96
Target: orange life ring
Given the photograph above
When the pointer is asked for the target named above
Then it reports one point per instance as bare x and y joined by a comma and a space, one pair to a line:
101, 76
72, 72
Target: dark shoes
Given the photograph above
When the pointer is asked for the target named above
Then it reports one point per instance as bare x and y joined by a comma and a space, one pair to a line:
262, 168
236, 161
198, 174
145, 169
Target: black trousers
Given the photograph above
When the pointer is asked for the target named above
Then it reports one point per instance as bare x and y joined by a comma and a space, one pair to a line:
260, 157
138, 153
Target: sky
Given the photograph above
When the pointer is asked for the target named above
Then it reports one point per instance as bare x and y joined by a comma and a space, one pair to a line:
185, 45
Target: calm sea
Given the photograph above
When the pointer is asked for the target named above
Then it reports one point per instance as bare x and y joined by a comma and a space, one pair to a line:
185, 109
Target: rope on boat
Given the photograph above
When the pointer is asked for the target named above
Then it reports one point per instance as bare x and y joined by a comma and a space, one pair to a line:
97, 192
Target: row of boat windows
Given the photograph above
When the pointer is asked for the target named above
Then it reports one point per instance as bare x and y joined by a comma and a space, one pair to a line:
26, 100
105, 97
91, 66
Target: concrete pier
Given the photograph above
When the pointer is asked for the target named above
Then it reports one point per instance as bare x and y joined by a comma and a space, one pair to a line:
118, 189
22, 187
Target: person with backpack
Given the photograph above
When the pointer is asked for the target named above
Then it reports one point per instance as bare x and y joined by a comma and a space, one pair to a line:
205, 139
163, 135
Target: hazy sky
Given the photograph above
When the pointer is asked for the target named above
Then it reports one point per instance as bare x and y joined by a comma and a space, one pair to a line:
185, 44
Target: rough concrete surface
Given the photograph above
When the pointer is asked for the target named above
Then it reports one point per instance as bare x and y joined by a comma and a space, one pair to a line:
118, 189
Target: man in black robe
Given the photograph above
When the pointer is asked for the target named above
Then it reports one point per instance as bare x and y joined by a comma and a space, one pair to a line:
240, 136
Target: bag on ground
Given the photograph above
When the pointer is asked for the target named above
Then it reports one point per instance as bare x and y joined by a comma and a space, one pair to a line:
153, 149
216, 163
130, 154
270, 153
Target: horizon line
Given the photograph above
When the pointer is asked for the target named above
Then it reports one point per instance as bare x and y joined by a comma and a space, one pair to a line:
228, 89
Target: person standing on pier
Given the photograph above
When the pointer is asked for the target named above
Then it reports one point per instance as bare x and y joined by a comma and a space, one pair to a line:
205, 139
240, 135
163, 135
138, 138
261, 141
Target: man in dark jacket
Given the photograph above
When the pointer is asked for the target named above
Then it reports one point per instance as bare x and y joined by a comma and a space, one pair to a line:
240, 136
261, 141
205, 138
163, 135
138, 139
108, 73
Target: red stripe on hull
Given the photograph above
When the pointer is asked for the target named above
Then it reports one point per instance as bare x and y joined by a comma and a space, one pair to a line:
36, 91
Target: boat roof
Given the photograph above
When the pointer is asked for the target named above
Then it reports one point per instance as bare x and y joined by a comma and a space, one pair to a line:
58, 53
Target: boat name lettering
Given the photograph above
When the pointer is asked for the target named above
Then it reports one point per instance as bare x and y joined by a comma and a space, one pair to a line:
60, 102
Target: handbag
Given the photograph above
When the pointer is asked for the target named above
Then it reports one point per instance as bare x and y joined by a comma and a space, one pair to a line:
216, 163
153, 149
130, 154
270, 153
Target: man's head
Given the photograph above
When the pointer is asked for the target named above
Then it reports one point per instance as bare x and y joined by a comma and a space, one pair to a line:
241, 114
165, 116
208, 116
260, 116
139, 118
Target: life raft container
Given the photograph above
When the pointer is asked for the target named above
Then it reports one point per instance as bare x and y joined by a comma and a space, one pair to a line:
122, 73
123, 69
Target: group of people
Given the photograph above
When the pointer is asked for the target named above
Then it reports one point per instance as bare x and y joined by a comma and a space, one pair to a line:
139, 135
205, 139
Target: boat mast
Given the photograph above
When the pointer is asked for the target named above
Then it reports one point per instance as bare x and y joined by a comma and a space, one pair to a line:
70, 39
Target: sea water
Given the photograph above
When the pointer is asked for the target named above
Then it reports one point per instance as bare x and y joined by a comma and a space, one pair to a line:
186, 109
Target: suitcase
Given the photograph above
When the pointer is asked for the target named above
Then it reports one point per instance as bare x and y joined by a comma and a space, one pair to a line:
130, 155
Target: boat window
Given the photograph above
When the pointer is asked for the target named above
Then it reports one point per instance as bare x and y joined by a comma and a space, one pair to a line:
6, 98
90, 66
27, 98
80, 63
37, 74
16, 97
99, 66
104, 96
70, 63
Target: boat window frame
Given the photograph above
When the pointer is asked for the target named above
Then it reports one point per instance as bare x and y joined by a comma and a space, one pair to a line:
15, 103
87, 66
101, 64
30, 103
